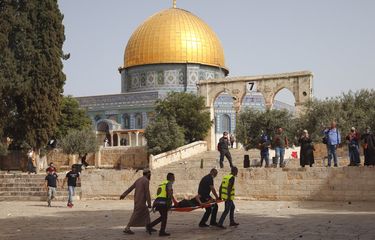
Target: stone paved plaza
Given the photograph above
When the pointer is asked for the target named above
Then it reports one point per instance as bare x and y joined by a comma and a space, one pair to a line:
258, 219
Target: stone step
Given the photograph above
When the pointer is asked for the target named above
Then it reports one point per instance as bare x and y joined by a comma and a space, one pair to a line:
35, 198
34, 193
25, 185
25, 189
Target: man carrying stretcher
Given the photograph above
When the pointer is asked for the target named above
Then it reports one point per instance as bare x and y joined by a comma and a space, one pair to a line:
206, 186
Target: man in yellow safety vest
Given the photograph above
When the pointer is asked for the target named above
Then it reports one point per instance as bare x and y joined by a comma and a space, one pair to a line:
227, 193
162, 203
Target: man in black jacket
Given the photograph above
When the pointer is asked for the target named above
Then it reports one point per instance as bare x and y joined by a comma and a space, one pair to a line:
223, 148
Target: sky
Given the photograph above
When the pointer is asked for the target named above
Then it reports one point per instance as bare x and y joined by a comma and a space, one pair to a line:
334, 39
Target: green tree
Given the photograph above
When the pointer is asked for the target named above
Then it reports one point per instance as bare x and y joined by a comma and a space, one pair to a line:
31, 47
3, 149
164, 134
189, 111
79, 142
251, 123
352, 109
71, 117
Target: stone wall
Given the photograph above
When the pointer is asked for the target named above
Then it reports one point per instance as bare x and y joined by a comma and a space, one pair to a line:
178, 154
321, 184
14, 160
123, 157
111, 157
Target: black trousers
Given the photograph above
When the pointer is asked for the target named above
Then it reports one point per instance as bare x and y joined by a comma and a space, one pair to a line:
225, 153
210, 211
163, 210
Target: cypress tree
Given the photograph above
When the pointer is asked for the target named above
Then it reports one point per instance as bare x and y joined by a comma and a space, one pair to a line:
34, 39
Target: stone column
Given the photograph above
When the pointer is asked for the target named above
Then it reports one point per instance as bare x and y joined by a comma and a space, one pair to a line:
210, 138
130, 139
118, 139
111, 139
268, 103
299, 109
136, 138
98, 157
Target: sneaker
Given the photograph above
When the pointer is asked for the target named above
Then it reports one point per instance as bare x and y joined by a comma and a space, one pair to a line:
203, 225
164, 234
233, 224
213, 224
128, 231
221, 226
70, 205
335, 165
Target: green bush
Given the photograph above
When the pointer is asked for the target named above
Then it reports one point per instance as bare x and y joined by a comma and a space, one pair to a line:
164, 135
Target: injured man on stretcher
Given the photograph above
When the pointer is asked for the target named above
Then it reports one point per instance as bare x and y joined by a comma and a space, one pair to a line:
187, 205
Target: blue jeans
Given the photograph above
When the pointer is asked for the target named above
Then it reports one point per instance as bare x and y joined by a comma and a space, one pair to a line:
354, 155
264, 156
332, 154
70, 194
229, 208
279, 153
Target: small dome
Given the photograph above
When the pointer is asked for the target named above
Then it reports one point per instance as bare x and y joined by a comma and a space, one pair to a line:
174, 36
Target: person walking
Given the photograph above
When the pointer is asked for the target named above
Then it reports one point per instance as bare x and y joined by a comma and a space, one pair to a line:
163, 203
71, 177
333, 139
280, 142
142, 202
264, 146
223, 147
227, 193
307, 150
51, 184
206, 186
353, 138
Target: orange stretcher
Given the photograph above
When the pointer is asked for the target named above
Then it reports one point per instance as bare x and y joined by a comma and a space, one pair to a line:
189, 209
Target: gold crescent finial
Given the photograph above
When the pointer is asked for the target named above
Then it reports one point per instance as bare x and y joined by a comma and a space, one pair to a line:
174, 3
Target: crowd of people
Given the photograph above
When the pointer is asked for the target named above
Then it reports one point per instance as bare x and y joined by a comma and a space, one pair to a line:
332, 139
165, 201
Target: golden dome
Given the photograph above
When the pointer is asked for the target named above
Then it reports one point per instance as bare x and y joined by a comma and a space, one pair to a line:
174, 36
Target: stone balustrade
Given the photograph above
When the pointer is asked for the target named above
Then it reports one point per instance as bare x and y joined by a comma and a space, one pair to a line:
178, 154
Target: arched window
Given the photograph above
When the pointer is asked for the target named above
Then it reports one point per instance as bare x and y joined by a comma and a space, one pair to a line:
138, 121
225, 123
126, 121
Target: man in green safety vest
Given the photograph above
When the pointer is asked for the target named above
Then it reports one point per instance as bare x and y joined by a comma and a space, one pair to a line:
227, 193
163, 203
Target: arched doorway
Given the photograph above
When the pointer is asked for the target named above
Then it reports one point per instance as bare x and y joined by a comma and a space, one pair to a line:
284, 100
224, 114
102, 128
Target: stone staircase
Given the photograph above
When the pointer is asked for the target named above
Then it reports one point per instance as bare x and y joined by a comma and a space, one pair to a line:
210, 160
24, 187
